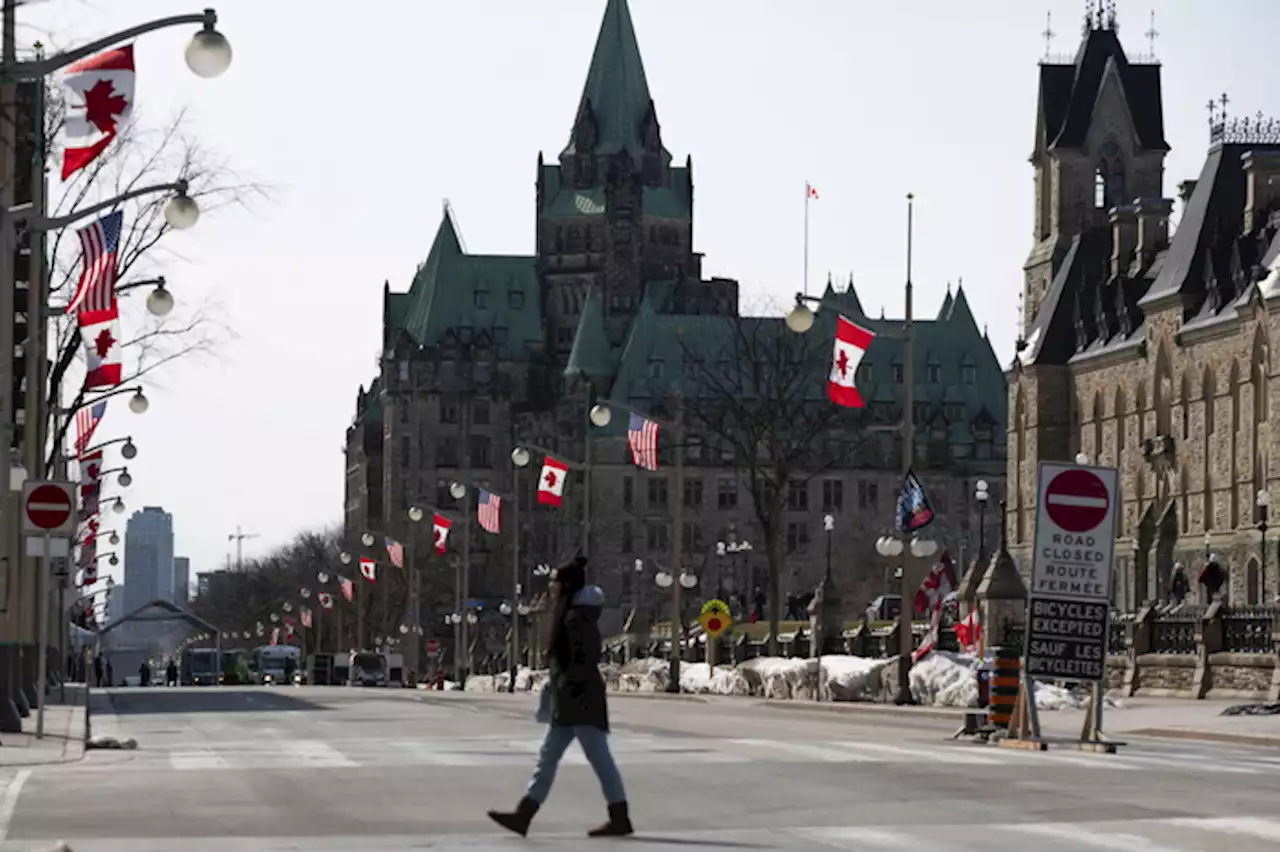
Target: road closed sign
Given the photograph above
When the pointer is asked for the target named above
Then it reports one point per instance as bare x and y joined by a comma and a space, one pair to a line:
1068, 613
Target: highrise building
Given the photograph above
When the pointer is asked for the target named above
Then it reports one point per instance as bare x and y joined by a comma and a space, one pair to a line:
148, 557
181, 580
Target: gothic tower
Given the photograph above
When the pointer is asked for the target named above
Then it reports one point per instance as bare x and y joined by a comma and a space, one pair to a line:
613, 214
1099, 144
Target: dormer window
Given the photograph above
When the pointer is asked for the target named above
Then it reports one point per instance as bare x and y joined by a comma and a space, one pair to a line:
863, 376
515, 299
655, 369
969, 374
482, 300
934, 374
897, 374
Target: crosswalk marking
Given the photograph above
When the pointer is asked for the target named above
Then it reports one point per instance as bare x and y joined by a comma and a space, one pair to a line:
1080, 835
316, 754
942, 755
205, 758
1265, 829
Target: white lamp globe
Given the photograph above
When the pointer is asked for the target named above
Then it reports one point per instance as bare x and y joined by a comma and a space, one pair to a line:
663, 579
923, 548
119, 507
208, 54
688, 581
114, 538
129, 450
181, 212
322, 577
344, 558
138, 403
505, 608
124, 479
600, 415
415, 513
404, 628
520, 457
457, 490
800, 319
160, 302
367, 539
523, 609
114, 560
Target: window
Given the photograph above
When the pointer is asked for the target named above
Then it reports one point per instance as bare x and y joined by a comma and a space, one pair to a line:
692, 537
515, 299
480, 413
403, 412
481, 451
404, 371
832, 495
448, 412
628, 538
482, 300
798, 496
921, 412
955, 412
655, 369
693, 493
868, 495
897, 374
1099, 190
863, 374
628, 492
727, 492
443, 498
658, 492
969, 374
657, 536
404, 450
564, 336
797, 537
446, 452
935, 374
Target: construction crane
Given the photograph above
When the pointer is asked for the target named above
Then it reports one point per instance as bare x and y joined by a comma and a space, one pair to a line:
238, 537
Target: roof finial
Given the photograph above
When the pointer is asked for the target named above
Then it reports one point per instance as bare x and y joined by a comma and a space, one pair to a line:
1048, 33
948, 286
1109, 15
1152, 34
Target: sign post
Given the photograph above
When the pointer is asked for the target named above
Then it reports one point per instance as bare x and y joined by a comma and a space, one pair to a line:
1069, 605
48, 516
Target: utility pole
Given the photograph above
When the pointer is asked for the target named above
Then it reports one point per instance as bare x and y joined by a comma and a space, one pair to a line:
238, 537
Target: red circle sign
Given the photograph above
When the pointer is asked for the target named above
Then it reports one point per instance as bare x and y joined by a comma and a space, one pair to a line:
433, 645
1077, 501
48, 507
714, 625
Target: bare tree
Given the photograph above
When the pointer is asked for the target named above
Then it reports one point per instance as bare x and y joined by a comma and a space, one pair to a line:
142, 156
757, 400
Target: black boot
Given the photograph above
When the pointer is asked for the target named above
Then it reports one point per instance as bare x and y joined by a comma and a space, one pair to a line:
520, 819
619, 824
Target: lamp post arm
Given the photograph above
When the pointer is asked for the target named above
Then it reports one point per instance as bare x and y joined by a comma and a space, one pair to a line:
472, 485
22, 213
839, 307
101, 446
68, 412
622, 406
576, 465
36, 69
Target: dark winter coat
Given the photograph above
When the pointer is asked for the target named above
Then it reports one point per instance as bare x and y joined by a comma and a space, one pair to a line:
577, 689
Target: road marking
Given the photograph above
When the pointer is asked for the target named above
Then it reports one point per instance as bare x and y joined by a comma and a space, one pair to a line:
806, 751
205, 758
1252, 826
942, 754
860, 838
9, 801
316, 754
1078, 834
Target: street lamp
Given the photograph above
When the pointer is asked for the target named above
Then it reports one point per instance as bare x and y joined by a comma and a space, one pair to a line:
138, 403
472, 618
1262, 500
520, 457
181, 211
367, 539
416, 514
208, 54
114, 538
1082, 458
829, 526
160, 301
601, 415
344, 558
457, 490
982, 494
322, 577
129, 450
800, 318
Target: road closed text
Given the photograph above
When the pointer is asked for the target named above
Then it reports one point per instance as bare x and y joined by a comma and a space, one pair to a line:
1072, 565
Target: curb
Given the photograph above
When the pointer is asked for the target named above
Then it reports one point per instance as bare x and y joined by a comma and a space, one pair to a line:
661, 696
865, 708
1206, 736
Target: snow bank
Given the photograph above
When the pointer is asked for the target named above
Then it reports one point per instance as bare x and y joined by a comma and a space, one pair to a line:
941, 679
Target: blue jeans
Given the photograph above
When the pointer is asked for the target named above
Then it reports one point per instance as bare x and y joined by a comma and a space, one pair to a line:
595, 745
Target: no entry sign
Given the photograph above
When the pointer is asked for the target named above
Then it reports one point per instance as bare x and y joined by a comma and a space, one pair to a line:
1068, 612
48, 508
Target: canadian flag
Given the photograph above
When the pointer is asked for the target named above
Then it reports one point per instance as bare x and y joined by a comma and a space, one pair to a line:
325, 600
99, 100
90, 467
441, 525
969, 632
551, 483
89, 574
852, 342
101, 333
369, 570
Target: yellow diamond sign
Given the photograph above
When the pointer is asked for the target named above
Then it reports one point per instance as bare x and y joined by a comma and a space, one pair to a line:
715, 618
715, 607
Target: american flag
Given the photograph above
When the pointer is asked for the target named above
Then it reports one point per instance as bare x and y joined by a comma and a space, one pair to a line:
642, 437
87, 420
489, 511
395, 552
348, 588
96, 290
305, 617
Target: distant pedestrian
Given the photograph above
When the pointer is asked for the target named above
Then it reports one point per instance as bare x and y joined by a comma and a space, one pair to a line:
1181, 586
574, 704
1213, 578
171, 673
98, 671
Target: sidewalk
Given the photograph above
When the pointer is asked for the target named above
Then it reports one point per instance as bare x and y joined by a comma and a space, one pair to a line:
64, 732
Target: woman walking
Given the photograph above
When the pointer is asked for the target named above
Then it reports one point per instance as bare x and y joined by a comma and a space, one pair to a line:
573, 702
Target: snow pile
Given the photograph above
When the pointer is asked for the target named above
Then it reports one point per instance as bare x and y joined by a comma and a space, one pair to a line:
947, 679
527, 680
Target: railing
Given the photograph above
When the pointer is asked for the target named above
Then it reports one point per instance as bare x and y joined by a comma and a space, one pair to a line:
1248, 630
1118, 638
1175, 632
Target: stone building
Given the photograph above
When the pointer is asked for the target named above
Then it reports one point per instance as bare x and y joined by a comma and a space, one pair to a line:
476, 353
1144, 346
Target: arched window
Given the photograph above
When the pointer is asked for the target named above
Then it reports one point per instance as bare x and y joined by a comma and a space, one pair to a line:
1163, 390
1100, 189
1235, 390
1253, 584
1108, 178
1186, 405
1020, 458
1209, 390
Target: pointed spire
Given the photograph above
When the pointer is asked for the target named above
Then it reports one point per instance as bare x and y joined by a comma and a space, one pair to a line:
945, 310
831, 290
1002, 581
960, 310
616, 94
851, 299
591, 357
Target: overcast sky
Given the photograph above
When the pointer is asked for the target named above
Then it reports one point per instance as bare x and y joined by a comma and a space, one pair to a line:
364, 117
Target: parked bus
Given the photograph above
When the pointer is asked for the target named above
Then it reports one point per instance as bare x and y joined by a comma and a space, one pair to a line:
200, 667
271, 663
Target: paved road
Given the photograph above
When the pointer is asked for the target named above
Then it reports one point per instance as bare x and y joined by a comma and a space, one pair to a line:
234, 770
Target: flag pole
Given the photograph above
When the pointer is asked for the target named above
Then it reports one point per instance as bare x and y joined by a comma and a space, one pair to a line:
807, 193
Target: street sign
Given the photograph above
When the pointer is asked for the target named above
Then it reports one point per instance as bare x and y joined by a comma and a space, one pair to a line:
715, 607
433, 645
48, 508
714, 624
1068, 611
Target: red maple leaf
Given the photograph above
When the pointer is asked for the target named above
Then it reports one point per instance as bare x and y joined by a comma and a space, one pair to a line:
842, 363
93, 471
103, 342
102, 105
439, 535
551, 479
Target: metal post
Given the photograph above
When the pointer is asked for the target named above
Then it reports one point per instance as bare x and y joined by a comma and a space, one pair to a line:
42, 663
514, 662
586, 478
906, 644
677, 556
415, 585
466, 587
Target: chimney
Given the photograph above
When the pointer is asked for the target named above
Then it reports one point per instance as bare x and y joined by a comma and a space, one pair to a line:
1262, 186
1124, 238
1153, 227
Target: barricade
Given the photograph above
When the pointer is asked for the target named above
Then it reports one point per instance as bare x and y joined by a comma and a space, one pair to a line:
1004, 686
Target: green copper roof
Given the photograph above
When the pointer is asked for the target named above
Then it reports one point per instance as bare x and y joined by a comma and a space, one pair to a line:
452, 290
591, 356
616, 87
